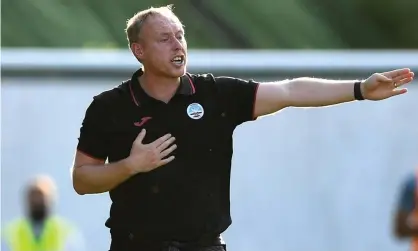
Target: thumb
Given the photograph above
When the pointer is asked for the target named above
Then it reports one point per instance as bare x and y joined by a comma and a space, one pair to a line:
141, 136
399, 91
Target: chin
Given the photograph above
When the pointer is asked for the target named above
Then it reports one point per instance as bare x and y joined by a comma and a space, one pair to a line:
178, 72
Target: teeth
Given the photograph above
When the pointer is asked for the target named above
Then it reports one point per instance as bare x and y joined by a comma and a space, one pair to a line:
178, 60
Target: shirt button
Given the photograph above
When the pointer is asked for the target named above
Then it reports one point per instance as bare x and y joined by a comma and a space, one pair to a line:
131, 236
223, 114
210, 150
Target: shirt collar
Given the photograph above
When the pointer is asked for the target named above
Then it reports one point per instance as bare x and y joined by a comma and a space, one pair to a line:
139, 96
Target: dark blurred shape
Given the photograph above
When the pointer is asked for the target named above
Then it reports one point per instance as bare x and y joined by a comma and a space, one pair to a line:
39, 197
41, 229
405, 225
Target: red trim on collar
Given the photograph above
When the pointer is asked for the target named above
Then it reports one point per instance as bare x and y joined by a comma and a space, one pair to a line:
132, 94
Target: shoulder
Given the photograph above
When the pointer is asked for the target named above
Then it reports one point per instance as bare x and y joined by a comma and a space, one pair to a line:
60, 220
63, 223
114, 97
211, 78
15, 221
202, 77
200, 81
114, 94
12, 225
209, 81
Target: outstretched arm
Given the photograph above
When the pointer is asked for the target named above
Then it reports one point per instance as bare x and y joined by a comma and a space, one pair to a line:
314, 92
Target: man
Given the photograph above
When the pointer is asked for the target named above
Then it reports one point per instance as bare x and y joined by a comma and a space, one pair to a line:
166, 197
406, 216
40, 230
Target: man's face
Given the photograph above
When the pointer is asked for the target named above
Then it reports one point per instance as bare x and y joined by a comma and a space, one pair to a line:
38, 204
162, 47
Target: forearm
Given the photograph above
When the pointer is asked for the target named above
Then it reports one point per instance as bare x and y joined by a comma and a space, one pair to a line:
313, 92
92, 179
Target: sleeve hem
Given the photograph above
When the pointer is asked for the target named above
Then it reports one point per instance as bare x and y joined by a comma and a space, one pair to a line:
254, 117
91, 155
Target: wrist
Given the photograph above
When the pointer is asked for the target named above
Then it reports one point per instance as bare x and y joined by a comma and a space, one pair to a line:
128, 166
359, 90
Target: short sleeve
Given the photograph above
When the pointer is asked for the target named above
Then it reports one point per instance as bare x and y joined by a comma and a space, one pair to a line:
93, 139
238, 96
407, 195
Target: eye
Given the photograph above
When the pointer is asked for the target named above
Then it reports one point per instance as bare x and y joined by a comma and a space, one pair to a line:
164, 39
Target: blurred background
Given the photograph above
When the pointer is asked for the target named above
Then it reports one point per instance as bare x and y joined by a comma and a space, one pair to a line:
303, 179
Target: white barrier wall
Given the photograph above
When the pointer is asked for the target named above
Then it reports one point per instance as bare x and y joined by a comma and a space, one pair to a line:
304, 179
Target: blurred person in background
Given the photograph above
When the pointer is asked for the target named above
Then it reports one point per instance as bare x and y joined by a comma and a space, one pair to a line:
406, 215
169, 198
40, 229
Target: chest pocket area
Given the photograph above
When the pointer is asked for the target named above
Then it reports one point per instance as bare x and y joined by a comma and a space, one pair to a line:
127, 125
205, 132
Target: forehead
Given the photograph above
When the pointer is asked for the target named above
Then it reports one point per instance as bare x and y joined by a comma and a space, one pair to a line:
161, 24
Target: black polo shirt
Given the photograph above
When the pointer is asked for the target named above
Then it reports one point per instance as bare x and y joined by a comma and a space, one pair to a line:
188, 197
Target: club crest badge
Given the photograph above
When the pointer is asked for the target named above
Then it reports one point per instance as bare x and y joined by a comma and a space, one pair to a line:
195, 111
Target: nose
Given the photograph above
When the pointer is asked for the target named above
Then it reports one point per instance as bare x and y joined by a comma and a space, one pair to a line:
177, 45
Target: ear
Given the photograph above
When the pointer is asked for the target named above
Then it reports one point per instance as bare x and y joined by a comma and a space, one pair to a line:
138, 50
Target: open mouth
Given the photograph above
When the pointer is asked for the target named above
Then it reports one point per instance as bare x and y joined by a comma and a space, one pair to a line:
178, 60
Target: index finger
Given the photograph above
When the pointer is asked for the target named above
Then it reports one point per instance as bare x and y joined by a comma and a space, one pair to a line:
397, 72
141, 136
161, 140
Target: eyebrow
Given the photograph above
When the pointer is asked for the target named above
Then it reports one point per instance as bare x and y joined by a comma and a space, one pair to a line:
168, 33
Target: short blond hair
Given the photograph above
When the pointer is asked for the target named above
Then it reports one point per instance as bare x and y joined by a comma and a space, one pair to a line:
135, 23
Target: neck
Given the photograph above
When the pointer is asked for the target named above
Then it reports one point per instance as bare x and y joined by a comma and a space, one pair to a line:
159, 87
